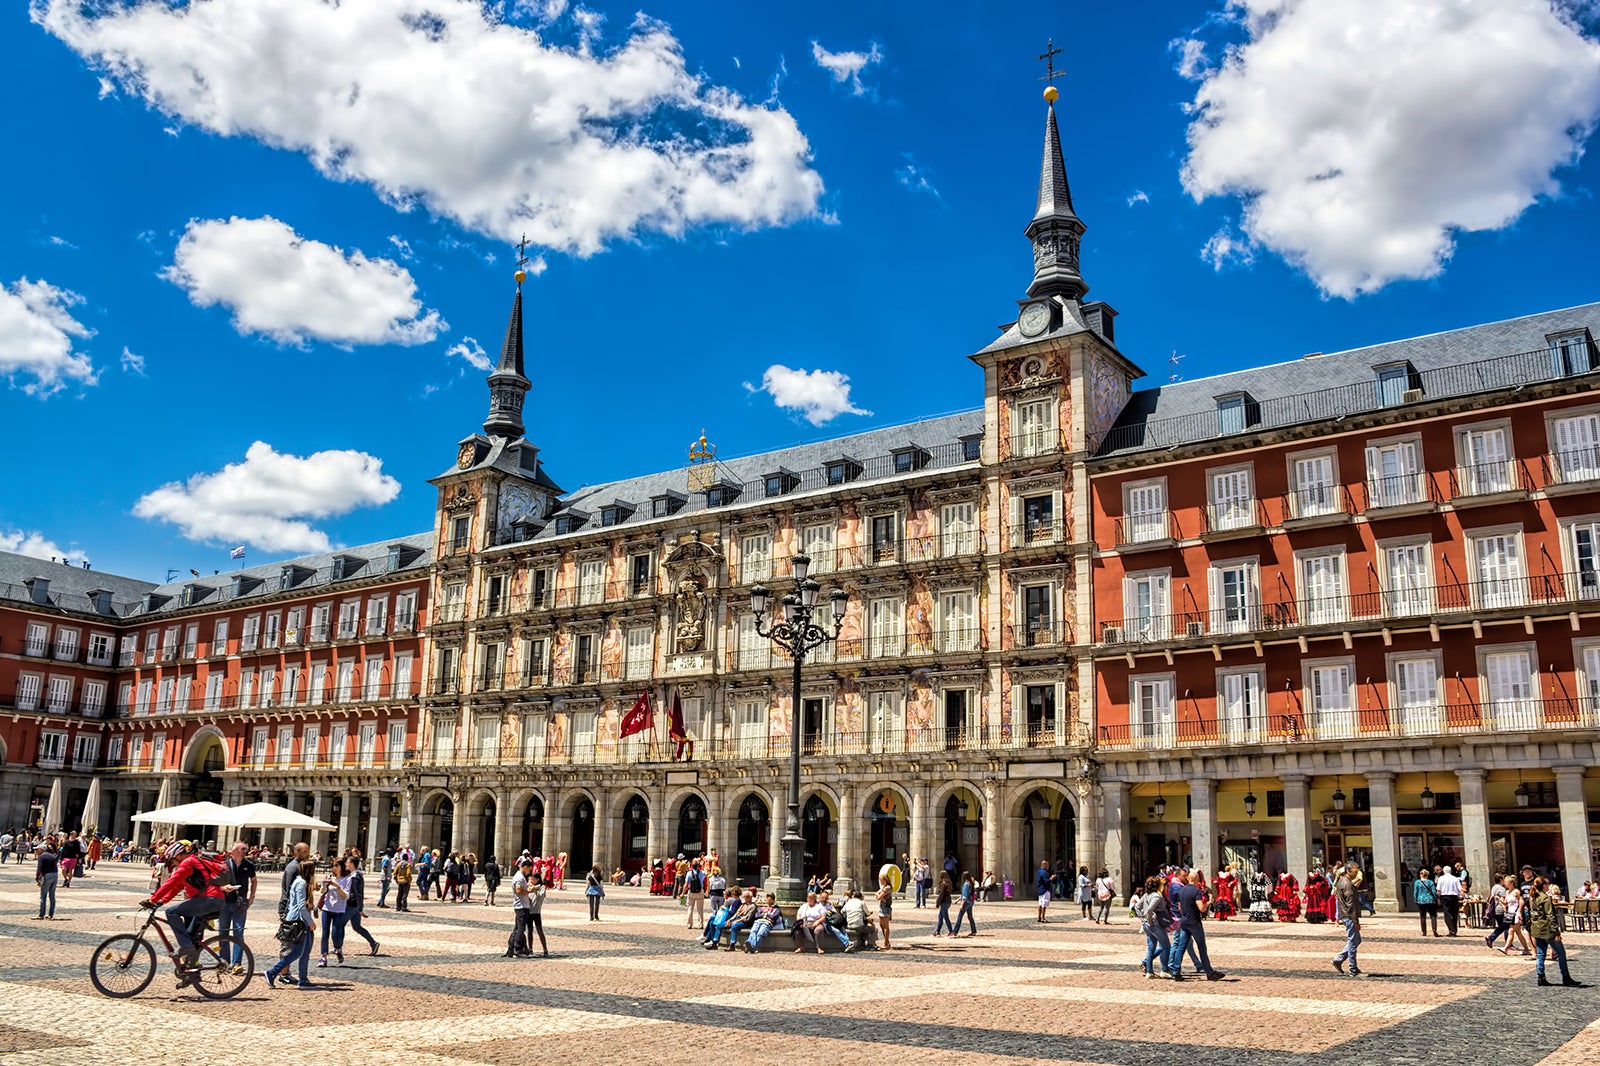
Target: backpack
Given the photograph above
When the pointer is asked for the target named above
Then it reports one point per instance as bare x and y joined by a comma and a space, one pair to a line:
1102, 889
695, 882
208, 873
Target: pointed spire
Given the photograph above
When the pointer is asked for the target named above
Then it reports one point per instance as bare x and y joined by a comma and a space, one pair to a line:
508, 386
1056, 231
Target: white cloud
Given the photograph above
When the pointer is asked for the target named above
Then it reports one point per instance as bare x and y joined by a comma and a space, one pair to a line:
473, 353
131, 363
1228, 247
916, 178
62, 242
37, 334
1139, 197
402, 247
819, 396
266, 500
295, 289
1193, 62
1362, 136
846, 67
36, 544
439, 103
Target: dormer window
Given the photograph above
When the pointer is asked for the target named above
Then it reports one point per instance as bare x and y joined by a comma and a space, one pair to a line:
393, 562
1234, 412
615, 514
721, 494
781, 483
909, 459
665, 505
971, 448
1397, 384
840, 470
1571, 353
571, 521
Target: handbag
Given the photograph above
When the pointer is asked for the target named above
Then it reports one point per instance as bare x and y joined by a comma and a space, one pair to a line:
290, 930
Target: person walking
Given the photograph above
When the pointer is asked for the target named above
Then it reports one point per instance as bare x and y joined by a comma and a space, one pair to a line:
1448, 885
1086, 892
1426, 896
594, 890
1497, 910
1546, 927
355, 907
694, 893
1155, 915
1041, 886
1191, 906
403, 873
941, 900
335, 898
298, 925
385, 877
921, 877
1519, 916
241, 871
46, 871
1104, 889
491, 881
1348, 898
885, 899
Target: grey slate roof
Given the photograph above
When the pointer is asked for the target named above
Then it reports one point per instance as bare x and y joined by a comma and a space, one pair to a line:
362, 562
940, 437
69, 585
1454, 363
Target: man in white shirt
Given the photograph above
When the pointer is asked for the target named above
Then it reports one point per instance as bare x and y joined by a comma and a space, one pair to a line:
807, 919
1448, 886
5, 846
519, 945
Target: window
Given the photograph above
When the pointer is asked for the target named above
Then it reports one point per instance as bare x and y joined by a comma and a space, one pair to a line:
583, 743
1577, 447
533, 665
294, 627
291, 685
94, 698
378, 614
396, 742
838, 472
1315, 492
1145, 504
181, 700
66, 645
1509, 683
816, 541
1235, 603
1039, 519
141, 703
1146, 606
114, 752
1322, 596
372, 678
1571, 353
885, 616
85, 750
1584, 544
1039, 706
485, 736
1407, 582
213, 691
639, 575
1330, 699
319, 683
52, 748
778, 484
662, 506
249, 633
886, 725
163, 694
971, 449
338, 742
460, 534
191, 640
1233, 499
1231, 414
957, 622
615, 515
583, 661
136, 751
258, 747
405, 612
247, 688
345, 684
59, 699
750, 728
367, 743
1038, 615
1154, 713
444, 740
721, 495
755, 558
169, 644
37, 641
319, 621
1394, 477
270, 629
285, 745
885, 538
1416, 696
1035, 428
639, 655
1393, 383
310, 739
1241, 706
749, 651
349, 619
957, 529
1591, 676
489, 663
100, 649
1497, 567
591, 580
1486, 461
907, 460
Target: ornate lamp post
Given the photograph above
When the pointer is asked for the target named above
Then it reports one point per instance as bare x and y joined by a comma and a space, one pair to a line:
796, 633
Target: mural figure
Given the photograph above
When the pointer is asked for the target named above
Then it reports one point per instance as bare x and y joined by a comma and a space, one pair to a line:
691, 631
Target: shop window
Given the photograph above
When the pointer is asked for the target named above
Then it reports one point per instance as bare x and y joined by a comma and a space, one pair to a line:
1360, 799
1274, 803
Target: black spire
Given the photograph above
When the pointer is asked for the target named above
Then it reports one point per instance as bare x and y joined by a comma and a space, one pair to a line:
1056, 230
508, 386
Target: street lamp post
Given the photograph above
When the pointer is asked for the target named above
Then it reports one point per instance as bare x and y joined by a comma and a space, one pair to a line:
796, 633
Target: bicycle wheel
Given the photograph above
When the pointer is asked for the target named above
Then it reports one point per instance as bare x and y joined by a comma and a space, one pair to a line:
122, 966
216, 978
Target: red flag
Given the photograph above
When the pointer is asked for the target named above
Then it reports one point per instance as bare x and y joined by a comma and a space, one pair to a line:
640, 717
675, 728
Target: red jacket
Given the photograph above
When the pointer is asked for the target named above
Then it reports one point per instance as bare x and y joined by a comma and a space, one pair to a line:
194, 875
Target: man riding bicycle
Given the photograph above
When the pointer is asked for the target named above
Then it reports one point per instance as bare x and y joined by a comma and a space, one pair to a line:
206, 885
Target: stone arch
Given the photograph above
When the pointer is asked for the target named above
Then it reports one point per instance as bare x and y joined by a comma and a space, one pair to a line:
475, 800
677, 796
1021, 790
199, 746
429, 803
948, 837
872, 791
687, 814
940, 797
822, 792
570, 798
1031, 839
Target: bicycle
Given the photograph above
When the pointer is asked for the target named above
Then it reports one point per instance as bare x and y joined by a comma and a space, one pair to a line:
125, 964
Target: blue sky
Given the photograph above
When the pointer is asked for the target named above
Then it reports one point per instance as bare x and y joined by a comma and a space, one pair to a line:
248, 312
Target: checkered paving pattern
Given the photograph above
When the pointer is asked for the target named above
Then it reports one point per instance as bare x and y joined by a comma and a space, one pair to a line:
637, 983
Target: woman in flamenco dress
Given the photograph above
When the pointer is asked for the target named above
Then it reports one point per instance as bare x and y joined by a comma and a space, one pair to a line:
1318, 892
1260, 897
1224, 906
1286, 900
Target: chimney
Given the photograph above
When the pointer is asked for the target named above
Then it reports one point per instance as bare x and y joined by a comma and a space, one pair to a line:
38, 589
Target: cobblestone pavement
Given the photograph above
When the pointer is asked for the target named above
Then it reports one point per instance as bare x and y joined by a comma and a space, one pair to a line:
637, 984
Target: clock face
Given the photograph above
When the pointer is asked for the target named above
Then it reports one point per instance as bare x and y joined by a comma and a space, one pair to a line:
466, 455
1034, 318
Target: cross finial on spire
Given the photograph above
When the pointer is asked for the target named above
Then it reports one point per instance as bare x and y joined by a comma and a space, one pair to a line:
1048, 58
522, 259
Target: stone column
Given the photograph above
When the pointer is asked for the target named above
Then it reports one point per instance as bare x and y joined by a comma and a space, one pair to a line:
1475, 825
295, 800
1203, 824
1297, 823
998, 826
659, 833
507, 830
557, 830
1385, 842
377, 826
717, 839
606, 853
458, 821
1574, 826
921, 833
349, 820
321, 809
114, 826
1118, 815
410, 821
1091, 843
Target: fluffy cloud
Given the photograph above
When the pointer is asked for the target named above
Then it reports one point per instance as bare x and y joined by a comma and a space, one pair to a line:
1362, 136
36, 544
132, 363
438, 103
1139, 197
294, 289
819, 396
1227, 247
846, 67
473, 353
37, 337
266, 500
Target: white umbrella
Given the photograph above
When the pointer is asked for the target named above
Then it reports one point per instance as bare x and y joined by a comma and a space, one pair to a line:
270, 816
203, 813
164, 799
52, 809
91, 807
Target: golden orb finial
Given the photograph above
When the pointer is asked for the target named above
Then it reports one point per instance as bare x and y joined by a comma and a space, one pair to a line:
521, 276
1051, 94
